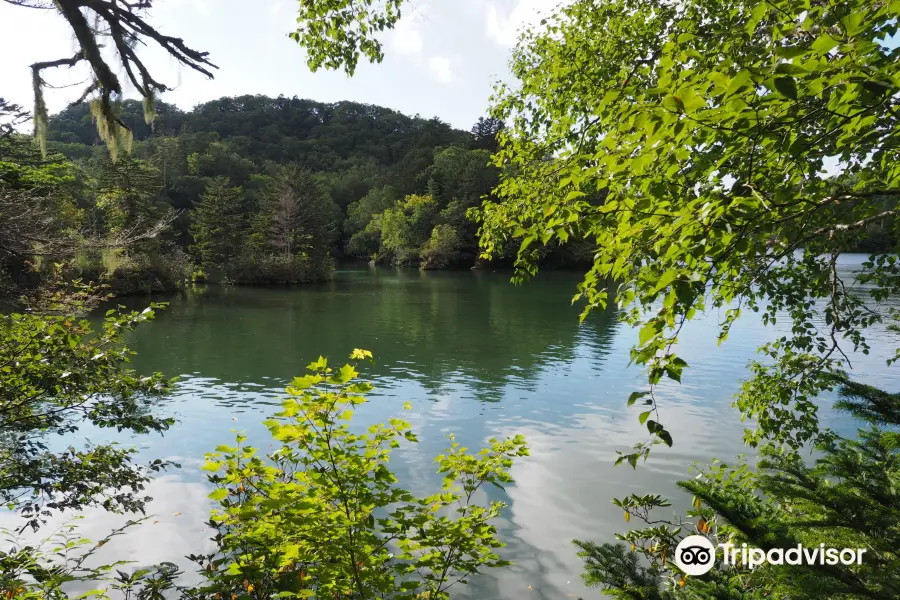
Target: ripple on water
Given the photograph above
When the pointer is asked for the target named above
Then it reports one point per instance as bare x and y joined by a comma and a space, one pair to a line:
477, 358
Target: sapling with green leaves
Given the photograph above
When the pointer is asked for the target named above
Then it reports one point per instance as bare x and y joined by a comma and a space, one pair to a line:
323, 515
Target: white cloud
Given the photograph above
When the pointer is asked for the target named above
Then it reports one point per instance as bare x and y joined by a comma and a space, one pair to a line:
202, 7
178, 527
407, 36
504, 23
441, 69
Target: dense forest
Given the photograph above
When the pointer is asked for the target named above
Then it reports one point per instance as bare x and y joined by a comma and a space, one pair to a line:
256, 190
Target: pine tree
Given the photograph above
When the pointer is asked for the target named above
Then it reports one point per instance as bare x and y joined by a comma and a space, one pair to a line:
486, 133
218, 224
849, 497
170, 158
297, 217
128, 193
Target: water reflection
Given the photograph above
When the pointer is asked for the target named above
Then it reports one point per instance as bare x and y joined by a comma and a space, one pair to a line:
437, 328
477, 357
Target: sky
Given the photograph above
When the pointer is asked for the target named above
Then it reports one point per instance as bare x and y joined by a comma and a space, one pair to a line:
441, 61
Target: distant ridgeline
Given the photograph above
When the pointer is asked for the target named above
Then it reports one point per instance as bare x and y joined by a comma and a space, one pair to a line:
320, 136
273, 190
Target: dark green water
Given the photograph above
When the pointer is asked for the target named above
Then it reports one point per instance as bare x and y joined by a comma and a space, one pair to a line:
477, 357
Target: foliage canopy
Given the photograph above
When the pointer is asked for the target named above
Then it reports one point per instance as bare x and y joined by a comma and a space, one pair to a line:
740, 146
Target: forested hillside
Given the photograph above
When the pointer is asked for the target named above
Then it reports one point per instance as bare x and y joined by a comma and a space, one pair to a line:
271, 190
256, 190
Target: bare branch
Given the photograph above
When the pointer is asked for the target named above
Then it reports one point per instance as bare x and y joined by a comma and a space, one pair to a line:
121, 21
841, 227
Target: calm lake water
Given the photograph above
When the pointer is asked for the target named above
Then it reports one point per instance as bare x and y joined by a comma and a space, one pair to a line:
476, 357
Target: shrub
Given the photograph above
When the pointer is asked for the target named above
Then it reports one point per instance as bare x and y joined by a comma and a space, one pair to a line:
323, 515
125, 274
442, 248
364, 243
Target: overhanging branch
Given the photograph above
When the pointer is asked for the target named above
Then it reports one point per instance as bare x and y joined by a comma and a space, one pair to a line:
123, 23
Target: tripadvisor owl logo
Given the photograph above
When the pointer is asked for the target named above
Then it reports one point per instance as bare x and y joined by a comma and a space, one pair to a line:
696, 555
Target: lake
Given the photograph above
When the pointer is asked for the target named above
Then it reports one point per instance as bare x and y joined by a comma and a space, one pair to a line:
477, 357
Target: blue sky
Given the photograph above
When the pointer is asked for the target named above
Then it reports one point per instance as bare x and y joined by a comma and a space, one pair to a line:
441, 61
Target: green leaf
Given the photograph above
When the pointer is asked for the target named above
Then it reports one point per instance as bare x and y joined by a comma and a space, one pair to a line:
738, 82
665, 436
673, 103
635, 396
824, 43
790, 69
790, 51
648, 332
787, 87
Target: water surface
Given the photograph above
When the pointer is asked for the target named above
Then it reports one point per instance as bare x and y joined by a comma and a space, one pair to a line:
476, 357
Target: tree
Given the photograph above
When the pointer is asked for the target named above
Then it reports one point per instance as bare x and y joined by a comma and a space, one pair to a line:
38, 216
352, 149
297, 216
220, 159
487, 134
462, 175
366, 243
359, 213
169, 157
292, 234
128, 192
707, 126
354, 180
59, 373
284, 222
11, 116
406, 227
459, 180
47, 210
334, 33
442, 248
218, 224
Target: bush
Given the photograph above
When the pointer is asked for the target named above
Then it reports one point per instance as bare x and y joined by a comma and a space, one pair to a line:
124, 274
158, 273
442, 248
323, 515
364, 244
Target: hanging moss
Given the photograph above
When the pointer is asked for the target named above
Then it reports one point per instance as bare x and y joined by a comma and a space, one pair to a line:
41, 117
116, 136
150, 106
